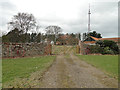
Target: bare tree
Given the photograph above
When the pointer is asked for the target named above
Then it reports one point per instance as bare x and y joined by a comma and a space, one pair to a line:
53, 30
23, 21
37, 28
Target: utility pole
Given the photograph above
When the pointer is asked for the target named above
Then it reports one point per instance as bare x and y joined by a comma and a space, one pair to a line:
89, 19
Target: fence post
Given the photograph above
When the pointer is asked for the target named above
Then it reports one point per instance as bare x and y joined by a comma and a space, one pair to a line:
77, 49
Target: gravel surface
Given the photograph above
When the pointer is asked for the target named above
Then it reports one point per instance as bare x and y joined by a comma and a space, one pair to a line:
73, 73
68, 71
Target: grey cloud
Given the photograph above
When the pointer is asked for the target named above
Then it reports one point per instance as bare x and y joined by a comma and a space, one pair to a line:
104, 7
103, 19
7, 10
7, 5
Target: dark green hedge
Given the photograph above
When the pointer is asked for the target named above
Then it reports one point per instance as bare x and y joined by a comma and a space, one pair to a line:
104, 47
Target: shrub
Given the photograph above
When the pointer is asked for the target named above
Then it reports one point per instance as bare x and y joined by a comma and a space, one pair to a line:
107, 50
108, 46
96, 49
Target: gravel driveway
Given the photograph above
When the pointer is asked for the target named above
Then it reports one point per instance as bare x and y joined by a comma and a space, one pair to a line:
68, 71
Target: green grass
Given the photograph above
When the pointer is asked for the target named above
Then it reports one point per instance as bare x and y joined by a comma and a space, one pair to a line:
23, 67
107, 63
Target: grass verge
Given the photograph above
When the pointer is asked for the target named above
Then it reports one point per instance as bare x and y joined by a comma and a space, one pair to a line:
107, 63
23, 67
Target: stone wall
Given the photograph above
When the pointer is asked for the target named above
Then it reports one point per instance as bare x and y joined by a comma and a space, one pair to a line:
84, 49
25, 49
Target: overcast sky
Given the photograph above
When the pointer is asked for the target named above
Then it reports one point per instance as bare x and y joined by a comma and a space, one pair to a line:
70, 15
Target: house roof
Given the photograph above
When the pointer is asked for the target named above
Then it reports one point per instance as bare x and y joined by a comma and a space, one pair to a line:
57, 42
89, 42
113, 39
65, 36
96, 39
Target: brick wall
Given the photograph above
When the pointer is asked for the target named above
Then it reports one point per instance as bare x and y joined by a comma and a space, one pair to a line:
25, 49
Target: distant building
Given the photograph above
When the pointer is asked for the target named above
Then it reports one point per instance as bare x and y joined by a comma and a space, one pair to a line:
67, 40
92, 40
58, 43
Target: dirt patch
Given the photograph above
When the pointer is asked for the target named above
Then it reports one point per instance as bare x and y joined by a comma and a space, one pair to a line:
69, 60
63, 78
57, 75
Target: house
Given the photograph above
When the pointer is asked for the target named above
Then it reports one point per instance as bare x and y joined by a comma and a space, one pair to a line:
92, 40
57, 43
67, 40
63, 40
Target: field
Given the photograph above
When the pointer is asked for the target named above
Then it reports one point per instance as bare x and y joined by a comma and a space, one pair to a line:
107, 63
23, 67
